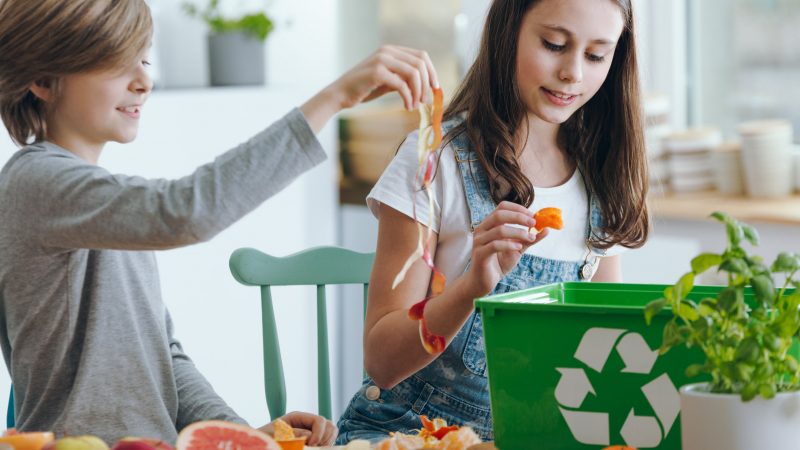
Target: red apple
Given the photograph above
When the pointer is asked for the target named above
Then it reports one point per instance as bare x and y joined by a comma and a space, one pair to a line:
135, 443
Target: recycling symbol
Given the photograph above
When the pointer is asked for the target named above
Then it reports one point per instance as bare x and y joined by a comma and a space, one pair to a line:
592, 427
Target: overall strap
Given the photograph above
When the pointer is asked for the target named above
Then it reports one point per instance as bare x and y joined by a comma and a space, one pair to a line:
474, 178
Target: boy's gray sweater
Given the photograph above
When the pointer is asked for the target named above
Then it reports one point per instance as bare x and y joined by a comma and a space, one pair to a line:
84, 332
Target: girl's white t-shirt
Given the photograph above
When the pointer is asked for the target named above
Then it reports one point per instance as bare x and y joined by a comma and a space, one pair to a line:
398, 187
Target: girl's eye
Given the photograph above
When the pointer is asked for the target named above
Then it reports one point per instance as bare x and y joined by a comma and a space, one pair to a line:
553, 47
145, 62
595, 58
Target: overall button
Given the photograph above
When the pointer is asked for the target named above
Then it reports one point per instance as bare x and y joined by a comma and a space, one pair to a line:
373, 393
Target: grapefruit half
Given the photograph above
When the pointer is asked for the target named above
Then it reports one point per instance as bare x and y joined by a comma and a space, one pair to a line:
220, 435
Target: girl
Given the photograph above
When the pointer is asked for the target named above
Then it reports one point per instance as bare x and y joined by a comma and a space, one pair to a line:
86, 337
548, 115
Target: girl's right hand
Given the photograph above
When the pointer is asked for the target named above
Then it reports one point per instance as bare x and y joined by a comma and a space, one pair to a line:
497, 248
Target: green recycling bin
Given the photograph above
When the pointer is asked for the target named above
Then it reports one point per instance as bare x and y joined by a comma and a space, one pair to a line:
575, 366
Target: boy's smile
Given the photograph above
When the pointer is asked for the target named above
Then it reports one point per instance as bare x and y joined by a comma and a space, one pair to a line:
132, 111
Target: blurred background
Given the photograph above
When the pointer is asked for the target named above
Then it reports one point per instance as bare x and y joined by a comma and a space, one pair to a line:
722, 85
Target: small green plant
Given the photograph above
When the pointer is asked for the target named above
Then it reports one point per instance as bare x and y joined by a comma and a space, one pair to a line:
746, 343
257, 24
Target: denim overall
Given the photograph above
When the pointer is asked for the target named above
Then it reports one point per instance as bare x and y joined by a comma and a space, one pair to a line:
454, 386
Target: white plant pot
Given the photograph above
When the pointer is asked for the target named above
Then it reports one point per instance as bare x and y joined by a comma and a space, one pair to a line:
724, 422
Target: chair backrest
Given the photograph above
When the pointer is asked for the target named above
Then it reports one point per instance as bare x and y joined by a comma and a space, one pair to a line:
10, 420
318, 267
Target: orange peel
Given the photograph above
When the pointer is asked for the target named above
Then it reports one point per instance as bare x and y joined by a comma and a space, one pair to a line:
548, 218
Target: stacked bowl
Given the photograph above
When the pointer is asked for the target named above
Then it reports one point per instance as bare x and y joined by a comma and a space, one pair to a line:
689, 158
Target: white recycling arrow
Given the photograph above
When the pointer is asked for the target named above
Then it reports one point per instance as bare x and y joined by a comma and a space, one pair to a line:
587, 427
573, 387
664, 399
636, 354
641, 431
596, 345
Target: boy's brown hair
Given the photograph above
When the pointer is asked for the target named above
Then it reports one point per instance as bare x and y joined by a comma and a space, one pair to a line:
605, 137
42, 41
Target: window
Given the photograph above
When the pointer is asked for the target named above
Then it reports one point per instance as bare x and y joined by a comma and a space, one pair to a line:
744, 62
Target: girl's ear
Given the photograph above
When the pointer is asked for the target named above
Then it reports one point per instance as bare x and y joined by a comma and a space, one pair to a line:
42, 89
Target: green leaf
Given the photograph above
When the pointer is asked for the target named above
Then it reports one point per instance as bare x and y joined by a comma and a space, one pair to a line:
653, 308
748, 350
705, 261
258, 24
707, 307
749, 392
764, 289
743, 371
750, 234
722, 217
787, 326
671, 336
773, 343
729, 297
767, 390
694, 370
791, 363
669, 294
688, 311
683, 286
735, 233
786, 262
734, 265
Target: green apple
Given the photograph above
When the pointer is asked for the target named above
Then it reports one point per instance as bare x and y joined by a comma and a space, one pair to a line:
85, 442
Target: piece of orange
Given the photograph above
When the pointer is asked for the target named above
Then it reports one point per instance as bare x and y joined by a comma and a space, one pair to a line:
460, 439
548, 218
283, 431
298, 443
33, 440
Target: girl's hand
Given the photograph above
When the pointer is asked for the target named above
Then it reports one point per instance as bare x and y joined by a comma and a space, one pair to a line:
408, 71
497, 248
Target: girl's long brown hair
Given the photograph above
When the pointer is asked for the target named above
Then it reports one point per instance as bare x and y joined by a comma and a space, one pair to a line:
605, 137
44, 40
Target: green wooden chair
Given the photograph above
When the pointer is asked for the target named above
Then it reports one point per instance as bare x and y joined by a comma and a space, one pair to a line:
10, 413
318, 267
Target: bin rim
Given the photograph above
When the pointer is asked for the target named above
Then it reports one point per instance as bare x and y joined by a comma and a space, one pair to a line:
526, 299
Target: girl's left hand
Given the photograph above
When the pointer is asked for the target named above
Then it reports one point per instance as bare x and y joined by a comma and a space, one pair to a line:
320, 431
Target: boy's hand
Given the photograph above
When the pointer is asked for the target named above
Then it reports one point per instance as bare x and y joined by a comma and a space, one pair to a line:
320, 431
407, 71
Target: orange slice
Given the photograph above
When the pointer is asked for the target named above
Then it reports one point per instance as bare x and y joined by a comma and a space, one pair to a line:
298, 443
33, 440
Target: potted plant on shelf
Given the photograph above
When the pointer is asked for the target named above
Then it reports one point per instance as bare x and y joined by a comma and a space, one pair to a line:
749, 334
236, 46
